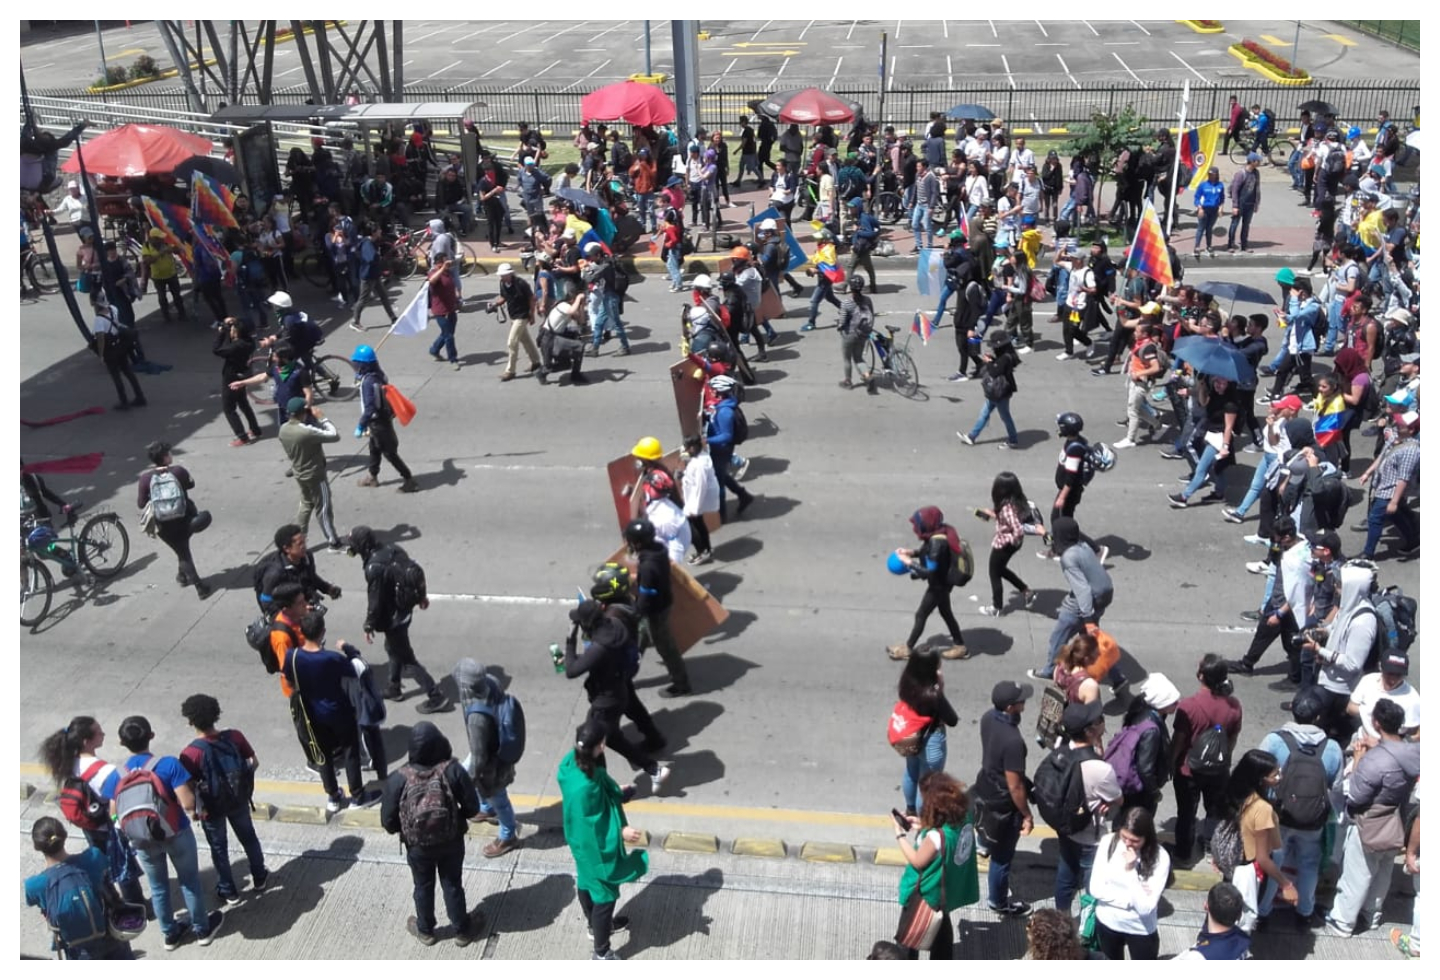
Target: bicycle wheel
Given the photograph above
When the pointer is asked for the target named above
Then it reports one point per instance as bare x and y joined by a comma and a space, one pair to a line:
1280, 151
104, 545
262, 394
399, 262
338, 384
469, 261
886, 207
36, 586
41, 273
313, 270
870, 356
1240, 149
903, 374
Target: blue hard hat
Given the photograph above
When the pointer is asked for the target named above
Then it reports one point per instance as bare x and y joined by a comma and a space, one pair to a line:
1354, 133
364, 354
42, 536
896, 564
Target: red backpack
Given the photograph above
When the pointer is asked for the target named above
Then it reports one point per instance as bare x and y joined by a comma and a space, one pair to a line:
907, 729
147, 810
80, 804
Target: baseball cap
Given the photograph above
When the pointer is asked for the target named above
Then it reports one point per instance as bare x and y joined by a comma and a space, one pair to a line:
1406, 418
1080, 716
1007, 693
295, 406
1291, 402
1159, 691
592, 248
1395, 661
73, 183
1252, 157
1328, 540
674, 179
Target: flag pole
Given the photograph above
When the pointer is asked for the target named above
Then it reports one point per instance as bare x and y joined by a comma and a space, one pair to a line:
1175, 168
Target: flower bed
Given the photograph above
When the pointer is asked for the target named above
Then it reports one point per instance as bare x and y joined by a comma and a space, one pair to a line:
1269, 64
1204, 26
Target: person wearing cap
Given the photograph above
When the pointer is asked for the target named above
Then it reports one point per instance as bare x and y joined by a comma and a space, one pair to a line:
1244, 201
1140, 753
1297, 346
1084, 727
863, 240
1209, 199
1302, 844
1001, 790
1390, 682
73, 207
519, 301
1275, 445
534, 185
1326, 563
303, 437
1390, 477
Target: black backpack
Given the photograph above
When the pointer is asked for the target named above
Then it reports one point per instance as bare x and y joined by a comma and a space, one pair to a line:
1303, 794
1059, 790
226, 783
1209, 754
257, 637
406, 578
740, 428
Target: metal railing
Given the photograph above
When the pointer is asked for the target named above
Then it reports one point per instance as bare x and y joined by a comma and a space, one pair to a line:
1039, 108
1405, 33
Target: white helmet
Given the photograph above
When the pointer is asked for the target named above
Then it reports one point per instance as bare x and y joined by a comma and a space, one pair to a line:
505, 269
769, 225
281, 300
702, 281
722, 383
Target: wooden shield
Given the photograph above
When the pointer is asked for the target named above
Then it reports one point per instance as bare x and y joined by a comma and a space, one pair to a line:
695, 611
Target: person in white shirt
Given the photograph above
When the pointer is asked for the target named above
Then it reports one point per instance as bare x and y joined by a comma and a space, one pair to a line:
1021, 156
73, 206
671, 528
1127, 881
1389, 682
701, 491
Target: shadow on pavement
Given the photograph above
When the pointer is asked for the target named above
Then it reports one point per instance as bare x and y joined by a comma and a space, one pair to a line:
693, 769
713, 672
526, 908
668, 909
733, 626
987, 641
767, 506
682, 723
449, 475
720, 584
740, 548
767, 465
296, 886
764, 376
1120, 548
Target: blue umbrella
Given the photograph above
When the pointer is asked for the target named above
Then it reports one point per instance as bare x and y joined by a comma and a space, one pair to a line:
1215, 357
1236, 293
969, 110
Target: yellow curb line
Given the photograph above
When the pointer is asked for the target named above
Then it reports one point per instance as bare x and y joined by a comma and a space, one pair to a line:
1264, 70
1200, 28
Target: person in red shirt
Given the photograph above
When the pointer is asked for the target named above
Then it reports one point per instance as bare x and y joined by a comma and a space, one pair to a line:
673, 234
1212, 705
202, 711
445, 308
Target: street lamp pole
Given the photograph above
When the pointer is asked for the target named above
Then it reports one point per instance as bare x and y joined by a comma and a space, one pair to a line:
1295, 48
104, 68
647, 48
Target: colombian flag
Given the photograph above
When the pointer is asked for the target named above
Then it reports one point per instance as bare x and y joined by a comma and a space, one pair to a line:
211, 202
1330, 418
1148, 252
922, 327
1197, 150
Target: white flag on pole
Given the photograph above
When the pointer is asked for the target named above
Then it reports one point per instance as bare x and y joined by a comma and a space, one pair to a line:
416, 316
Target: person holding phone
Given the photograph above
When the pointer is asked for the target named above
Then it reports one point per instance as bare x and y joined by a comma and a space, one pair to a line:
940, 864
1127, 881
1014, 518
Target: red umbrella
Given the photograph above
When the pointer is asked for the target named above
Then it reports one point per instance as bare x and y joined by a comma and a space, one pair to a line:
136, 149
811, 105
634, 102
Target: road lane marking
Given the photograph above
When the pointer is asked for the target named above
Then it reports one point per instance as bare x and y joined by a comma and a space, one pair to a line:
467, 81
495, 69
288, 71
897, 29
442, 71
1121, 42
1272, 39
1126, 67
422, 37
720, 79
500, 600
564, 30
993, 31
1066, 68
547, 68
581, 79
1187, 65
782, 68
1341, 39
521, 31
890, 86
1137, 24
851, 30
949, 72
761, 30
1042, 28
607, 31
946, 25
836, 74
1092, 29
807, 27
1006, 62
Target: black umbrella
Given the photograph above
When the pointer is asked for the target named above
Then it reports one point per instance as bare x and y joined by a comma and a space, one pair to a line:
216, 167
969, 110
1236, 293
1319, 107
579, 198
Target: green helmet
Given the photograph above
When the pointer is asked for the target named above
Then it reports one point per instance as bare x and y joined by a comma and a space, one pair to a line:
610, 583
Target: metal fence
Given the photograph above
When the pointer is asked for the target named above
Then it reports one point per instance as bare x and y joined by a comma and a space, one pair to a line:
1038, 108
1405, 33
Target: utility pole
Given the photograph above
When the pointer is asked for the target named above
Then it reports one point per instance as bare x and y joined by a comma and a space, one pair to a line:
104, 68
1295, 49
884, 41
647, 49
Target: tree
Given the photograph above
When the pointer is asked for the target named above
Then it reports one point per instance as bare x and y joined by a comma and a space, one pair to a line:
1104, 136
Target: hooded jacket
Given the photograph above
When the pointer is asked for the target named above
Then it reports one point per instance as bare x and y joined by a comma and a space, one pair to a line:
939, 549
1331, 757
381, 613
1384, 776
605, 662
1086, 577
1342, 658
374, 409
475, 688
653, 594
429, 748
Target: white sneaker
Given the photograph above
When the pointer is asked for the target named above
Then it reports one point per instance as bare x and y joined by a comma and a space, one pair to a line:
1104, 553
989, 611
657, 781
1257, 567
965, 438
1089, 353
1256, 539
1123, 444
1023, 350
1062, 356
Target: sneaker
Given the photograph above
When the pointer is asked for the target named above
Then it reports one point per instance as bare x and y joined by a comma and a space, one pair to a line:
1028, 598
257, 881
365, 799
1251, 615
1007, 445
657, 781
807, 327
176, 936
958, 376
676, 691
1239, 667
1104, 553
741, 468
368, 480
496, 848
1232, 515
1125, 443
1036, 675
424, 938
1257, 567
988, 611
609, 953
1063, 356
1025, 350
965, 438
1177, 500
704, 558
435, 702
408, 486
1014, 907
1171, 454
1256, 539
1335, 929
335, 803
217, 919
1404, 942
1100, 372
336, 547
357, 326
229, 901
898, 651
620, 923
239, 441
1088, 353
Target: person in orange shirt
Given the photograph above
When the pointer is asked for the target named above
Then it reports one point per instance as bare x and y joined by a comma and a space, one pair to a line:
285, 637
642, 179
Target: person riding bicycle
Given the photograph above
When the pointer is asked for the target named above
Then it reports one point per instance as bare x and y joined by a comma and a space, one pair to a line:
857, 319
297, 331
36, 520
1262, 123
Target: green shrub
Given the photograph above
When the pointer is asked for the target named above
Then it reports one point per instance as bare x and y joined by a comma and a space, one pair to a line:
144, 67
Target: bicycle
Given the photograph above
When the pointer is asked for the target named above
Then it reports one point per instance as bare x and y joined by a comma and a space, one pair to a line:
1245, 141
409, 256
895, 362
101, 546
887, 207
333, 374
40, 271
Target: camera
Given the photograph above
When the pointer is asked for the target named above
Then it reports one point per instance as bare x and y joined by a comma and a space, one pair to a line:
1316, 635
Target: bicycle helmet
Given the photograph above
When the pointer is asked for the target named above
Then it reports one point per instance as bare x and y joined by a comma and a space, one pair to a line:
740, 253
857, 284
364, 354
1069, 423
639, 533
702, 282
41, 537
717, 351
281, 300
722, 384
726, 280
610, 583
648, 448
126, 922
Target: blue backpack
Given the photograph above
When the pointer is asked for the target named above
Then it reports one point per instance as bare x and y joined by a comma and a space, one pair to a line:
226, 783
73, 908
509, 723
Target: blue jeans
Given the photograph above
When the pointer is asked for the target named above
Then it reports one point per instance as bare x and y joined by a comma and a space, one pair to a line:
1268, 890
1072, 871
217, 838
446, 339
672, 265
931, 758
1332, 327
498, 804
181, 850
1205, 228
1257, 483
1062, 289
920, 219
1404, 520
1069, 622
1003, 407
1297, 176
1202, 470
945, 293
824, 291
612, 306
1241, 221
1301, 861
1002, 852
646, 204
1067, 210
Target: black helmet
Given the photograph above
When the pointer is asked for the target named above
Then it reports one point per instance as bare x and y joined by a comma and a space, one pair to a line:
726, 280
1069, 423
610, 583
857, 284
717, 351
639, 532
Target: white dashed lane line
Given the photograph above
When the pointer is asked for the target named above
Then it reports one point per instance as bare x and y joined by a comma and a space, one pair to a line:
1187, 65
1126, 67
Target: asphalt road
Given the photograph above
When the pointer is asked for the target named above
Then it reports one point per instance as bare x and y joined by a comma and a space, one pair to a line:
771, 54
792, 693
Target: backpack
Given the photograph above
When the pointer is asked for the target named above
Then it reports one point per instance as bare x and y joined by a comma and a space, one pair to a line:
1396, 614
1087, 462
1120, 753
993, 384
406, 578
963, 570
1209, 754
1335, 167
1329, 497
74, 910
428, 813
1227, 847
740, 428
907, 729
167, 497
1100, 457
80, 804
252, 272
226, 783
1059, 791
509, 719
1302, 796
146, 809
257, 635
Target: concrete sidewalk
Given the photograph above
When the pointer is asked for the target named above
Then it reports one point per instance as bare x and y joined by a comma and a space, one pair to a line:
342, 891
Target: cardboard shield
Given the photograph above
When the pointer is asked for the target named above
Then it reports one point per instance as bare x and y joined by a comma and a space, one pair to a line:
689, 385
622, 473
695, 611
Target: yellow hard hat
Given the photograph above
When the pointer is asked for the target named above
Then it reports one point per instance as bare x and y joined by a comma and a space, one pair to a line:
648, 448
